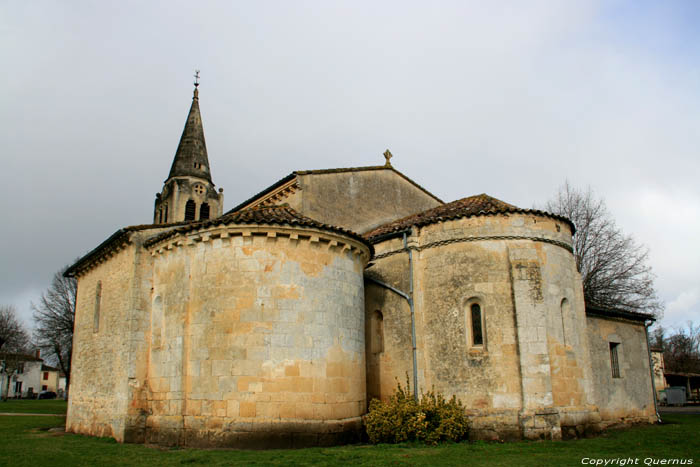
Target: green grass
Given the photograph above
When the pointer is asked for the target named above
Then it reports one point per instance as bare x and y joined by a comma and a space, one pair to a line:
55, 406
25, 441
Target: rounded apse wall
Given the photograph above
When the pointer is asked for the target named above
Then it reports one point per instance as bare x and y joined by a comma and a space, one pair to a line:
261, 339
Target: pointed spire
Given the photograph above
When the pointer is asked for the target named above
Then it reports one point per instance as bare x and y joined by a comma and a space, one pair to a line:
191, 156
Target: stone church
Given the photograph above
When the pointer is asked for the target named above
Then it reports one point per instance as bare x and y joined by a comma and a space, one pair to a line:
274, 323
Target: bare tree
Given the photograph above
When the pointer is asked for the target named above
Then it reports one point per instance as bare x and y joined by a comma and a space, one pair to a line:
613, 266
54, 317
13, 335
681, 348
14, 342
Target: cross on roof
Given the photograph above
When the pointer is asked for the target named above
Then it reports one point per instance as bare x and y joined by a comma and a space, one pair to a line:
388, 155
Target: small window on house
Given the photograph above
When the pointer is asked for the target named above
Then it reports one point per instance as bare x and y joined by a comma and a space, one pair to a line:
204, 212
377, 332
614, 361
98, 300
46, 375
477, 331
18, 387
44, 387
20, 368
190, 208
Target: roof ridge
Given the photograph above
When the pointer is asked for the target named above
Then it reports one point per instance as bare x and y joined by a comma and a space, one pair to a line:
294, 174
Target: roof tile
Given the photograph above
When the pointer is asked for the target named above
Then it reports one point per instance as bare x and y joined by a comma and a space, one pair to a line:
270, 215
478, 205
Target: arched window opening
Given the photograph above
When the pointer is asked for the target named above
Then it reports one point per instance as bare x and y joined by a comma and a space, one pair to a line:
165, 218
160, 215
157, 323
565, 311
377, 332
190, 210
476, 325
614, 359
98, 300
204, 212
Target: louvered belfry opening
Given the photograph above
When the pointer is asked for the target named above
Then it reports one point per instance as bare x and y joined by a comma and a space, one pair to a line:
204, 212
190, 210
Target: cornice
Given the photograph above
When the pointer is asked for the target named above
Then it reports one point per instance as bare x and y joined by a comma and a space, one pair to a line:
307, 234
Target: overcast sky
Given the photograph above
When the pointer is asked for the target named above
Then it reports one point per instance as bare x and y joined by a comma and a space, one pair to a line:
498, 97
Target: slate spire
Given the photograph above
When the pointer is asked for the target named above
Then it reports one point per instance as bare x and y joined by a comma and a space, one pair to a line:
191, 155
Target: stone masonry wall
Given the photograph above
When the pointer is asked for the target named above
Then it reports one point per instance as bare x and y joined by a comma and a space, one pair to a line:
257, 339
98, 394
532, 373
388, 346
629, 397
361, 200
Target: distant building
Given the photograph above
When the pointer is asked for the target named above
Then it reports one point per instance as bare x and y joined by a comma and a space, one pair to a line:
23, 372
275, 323
657, 357
49, 378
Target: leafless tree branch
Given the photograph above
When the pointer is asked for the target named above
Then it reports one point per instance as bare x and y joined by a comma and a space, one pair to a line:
54, 317
613, 266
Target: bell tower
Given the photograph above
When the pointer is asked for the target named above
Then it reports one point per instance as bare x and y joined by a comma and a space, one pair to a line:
188, 193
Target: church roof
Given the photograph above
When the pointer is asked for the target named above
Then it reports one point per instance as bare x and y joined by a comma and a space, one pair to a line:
191, 156
117, 238
607, 312
294, 174
269, 215
479, 205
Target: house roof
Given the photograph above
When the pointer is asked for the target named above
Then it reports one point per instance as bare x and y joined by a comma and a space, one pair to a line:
266, 215
191, 156
479, 205
607, 312
294, 174
20, 356
48, 368
675, 373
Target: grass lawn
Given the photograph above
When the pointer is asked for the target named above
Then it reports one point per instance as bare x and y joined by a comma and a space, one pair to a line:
57, 406
26, 441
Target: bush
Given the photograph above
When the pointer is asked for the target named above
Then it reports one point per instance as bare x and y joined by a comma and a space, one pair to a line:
431, 420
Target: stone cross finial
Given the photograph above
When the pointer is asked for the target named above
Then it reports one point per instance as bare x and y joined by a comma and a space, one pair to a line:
196, 78
388, 155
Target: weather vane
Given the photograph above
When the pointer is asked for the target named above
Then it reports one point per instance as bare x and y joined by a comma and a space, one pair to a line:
196, 78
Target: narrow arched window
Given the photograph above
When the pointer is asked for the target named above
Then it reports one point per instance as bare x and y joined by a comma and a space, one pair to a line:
204, 212
476, 322
160, 215
157, 323
190, 208
165, 217
98, 301
377, 332
565, 311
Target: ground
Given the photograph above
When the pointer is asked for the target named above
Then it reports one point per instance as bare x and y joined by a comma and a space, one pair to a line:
30, 441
